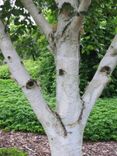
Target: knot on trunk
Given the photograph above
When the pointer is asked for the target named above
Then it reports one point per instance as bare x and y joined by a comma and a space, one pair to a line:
72, 3
9, 57
67, 10
114, 53
106, 69
31, 84
61, 72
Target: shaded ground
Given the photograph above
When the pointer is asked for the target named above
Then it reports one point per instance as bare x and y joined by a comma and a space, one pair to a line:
37, 145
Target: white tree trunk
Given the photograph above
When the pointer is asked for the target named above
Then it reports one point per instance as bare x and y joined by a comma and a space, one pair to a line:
64, 127
68, 104
69, 145
68, 98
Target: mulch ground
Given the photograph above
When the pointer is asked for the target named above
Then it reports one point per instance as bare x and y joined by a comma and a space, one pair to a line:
37, 145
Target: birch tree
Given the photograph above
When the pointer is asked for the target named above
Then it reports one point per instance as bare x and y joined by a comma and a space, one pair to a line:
64, 126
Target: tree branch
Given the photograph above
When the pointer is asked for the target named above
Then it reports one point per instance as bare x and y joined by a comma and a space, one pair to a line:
81, 11
83, 7
74, 3
30, 87
100, 79
40, 21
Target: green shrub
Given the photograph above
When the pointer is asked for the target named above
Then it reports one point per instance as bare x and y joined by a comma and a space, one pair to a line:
102, 123
31, 66
42, 70
47, 75
4, 72
11, 152
16, 114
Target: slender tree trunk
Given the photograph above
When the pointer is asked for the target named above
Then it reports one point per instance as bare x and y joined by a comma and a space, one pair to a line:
69, 104
68, 98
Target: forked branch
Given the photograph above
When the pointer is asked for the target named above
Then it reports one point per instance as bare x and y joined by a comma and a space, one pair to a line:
83, 7
80, 13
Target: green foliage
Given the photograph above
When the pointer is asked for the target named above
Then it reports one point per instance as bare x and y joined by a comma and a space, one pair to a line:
27, 44
42, 70
47, 75
99, 30
31, 43
33, 68
4, 72
11, 152
16, 114
102, 123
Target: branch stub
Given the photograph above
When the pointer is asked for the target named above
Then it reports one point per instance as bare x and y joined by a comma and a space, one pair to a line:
31, 84
106, 69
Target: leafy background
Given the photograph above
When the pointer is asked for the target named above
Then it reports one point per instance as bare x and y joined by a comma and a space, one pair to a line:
100, 26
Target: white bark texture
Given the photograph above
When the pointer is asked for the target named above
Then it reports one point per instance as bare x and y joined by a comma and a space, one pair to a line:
69, 103
64, 127
30, 87
71, 145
